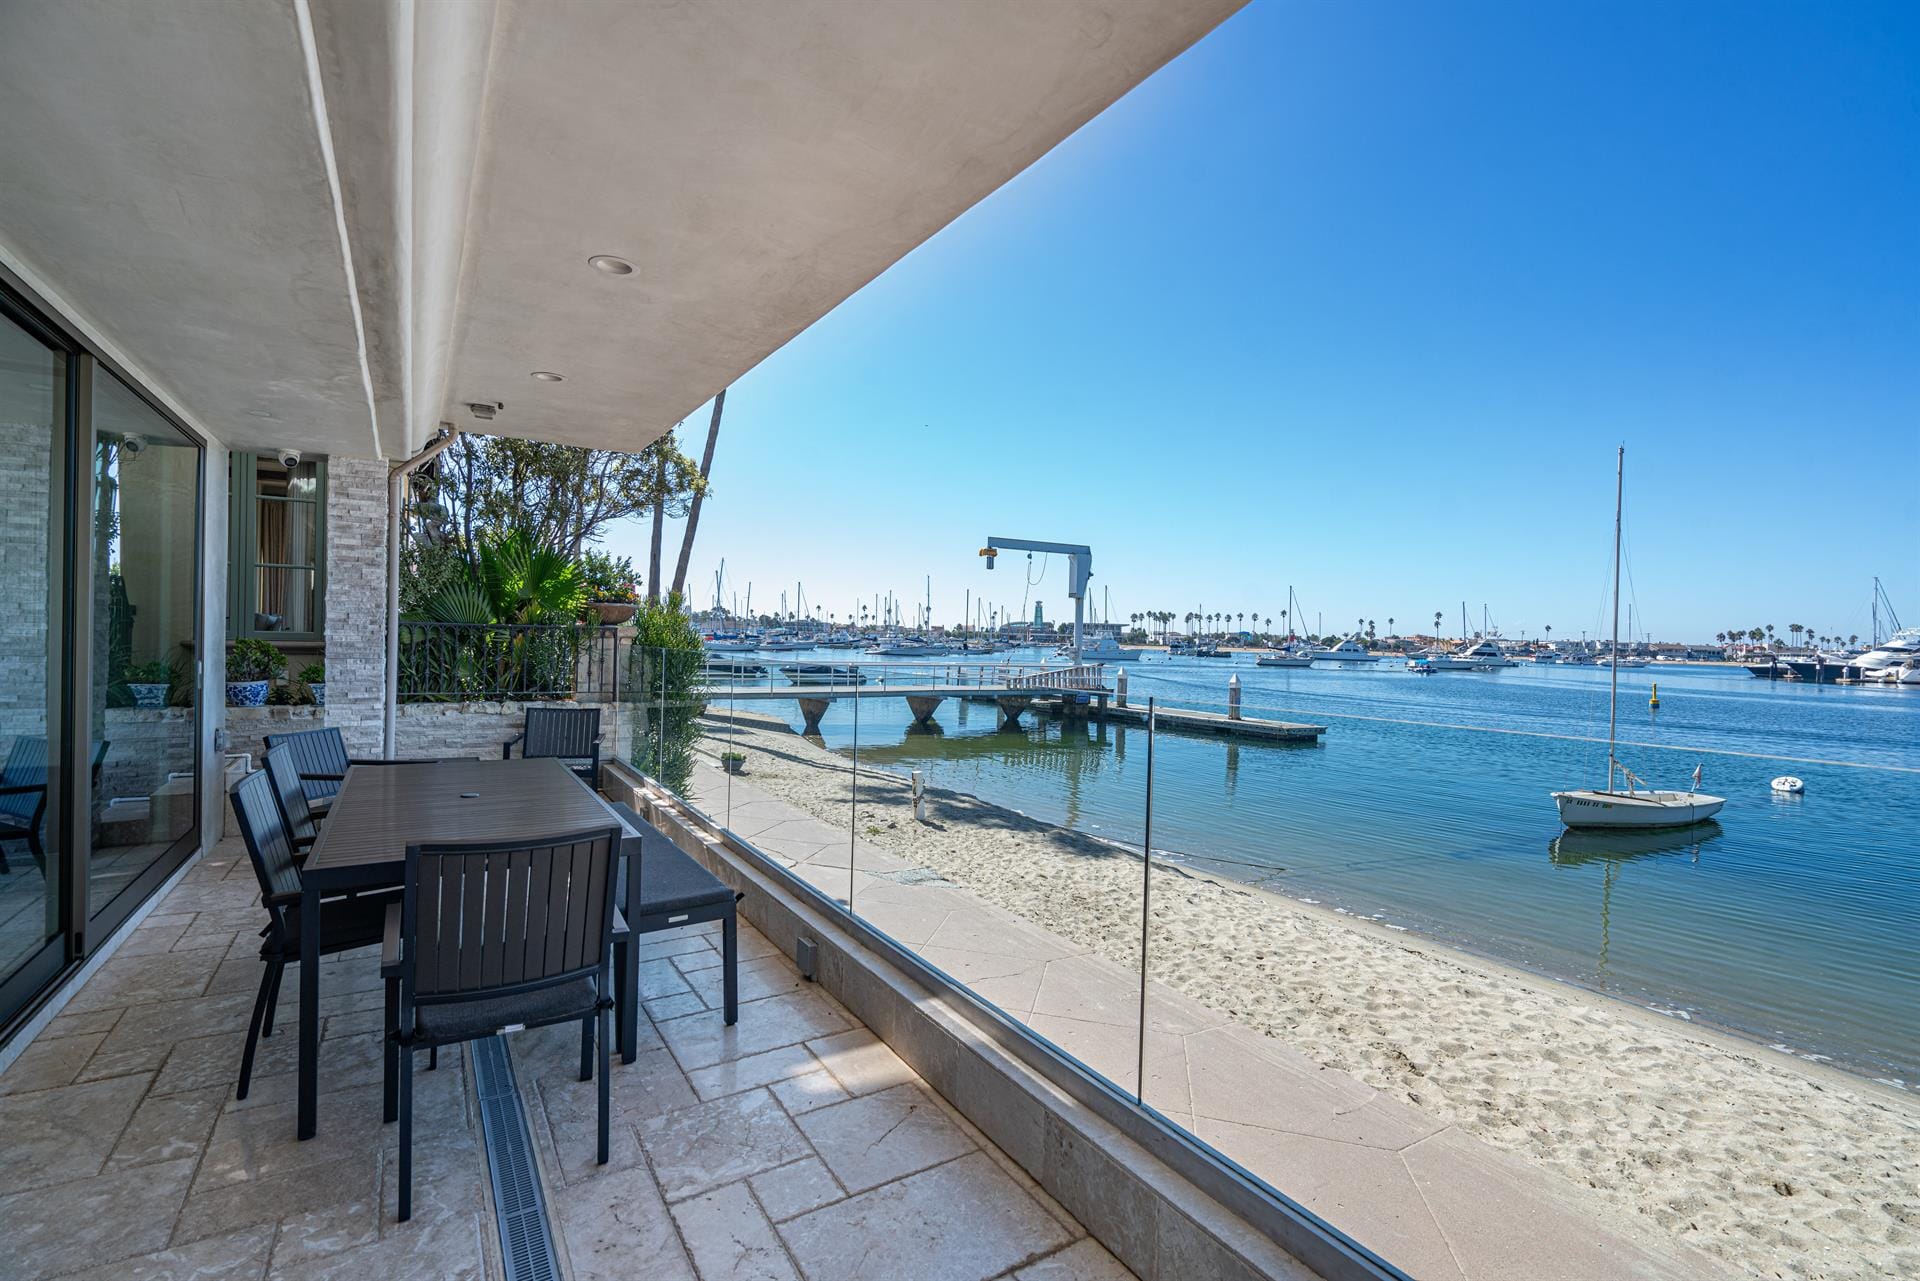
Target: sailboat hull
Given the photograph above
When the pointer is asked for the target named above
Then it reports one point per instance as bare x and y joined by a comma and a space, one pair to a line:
1582, 809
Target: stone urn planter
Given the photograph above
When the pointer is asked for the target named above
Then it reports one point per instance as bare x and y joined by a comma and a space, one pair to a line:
614, 611
148, 693
734, 762
246, 693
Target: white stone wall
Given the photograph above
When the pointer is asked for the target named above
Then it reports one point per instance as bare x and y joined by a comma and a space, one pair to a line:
144, 745
356, 604
423, 729
25, 453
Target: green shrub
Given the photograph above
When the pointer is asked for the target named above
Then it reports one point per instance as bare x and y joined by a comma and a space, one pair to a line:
313, 674
252, 659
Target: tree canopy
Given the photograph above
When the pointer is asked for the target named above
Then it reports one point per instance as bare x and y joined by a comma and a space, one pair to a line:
562, 497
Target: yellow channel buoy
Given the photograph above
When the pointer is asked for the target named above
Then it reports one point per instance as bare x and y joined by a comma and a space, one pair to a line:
1655, 700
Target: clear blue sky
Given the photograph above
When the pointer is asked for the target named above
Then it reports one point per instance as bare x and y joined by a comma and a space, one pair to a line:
1360, 297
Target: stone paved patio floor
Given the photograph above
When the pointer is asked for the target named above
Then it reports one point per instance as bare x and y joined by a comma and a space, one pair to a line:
794, 1145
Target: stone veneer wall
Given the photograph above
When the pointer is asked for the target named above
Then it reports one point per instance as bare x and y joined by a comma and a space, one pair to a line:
422, 729
144, 745
356, 603
25, 455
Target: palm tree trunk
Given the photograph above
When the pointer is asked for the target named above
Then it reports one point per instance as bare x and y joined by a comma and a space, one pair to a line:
693, 511
659, 529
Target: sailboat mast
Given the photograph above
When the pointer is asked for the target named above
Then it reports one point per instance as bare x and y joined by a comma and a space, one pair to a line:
1613, 670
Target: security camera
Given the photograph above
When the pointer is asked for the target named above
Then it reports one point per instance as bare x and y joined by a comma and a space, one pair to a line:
289, 458
133, 445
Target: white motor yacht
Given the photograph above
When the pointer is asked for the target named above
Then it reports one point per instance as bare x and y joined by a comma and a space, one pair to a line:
1350, 650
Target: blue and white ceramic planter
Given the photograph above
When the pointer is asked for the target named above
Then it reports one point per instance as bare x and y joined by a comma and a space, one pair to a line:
148, 693
246, 693
319, 689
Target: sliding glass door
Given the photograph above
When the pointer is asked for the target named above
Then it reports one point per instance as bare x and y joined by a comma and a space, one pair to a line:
100, 650
143, 577
34, 859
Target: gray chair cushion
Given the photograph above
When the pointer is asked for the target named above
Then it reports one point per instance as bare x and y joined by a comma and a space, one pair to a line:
671, 880
464, 1020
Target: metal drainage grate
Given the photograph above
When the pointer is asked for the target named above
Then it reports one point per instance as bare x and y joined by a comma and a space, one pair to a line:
526, 1241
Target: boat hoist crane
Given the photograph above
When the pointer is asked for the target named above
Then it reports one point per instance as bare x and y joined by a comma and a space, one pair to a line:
1079, 571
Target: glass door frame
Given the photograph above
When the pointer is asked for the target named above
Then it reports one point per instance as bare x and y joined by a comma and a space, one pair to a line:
83, 933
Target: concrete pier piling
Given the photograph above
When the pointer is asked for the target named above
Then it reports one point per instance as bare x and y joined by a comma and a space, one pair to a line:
1011, 706
924, 706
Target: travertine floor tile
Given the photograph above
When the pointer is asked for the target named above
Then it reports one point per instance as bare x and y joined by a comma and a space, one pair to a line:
730, 1238
962, 1221
868, 1141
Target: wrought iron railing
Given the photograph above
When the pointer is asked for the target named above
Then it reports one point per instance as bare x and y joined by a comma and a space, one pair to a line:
468, 662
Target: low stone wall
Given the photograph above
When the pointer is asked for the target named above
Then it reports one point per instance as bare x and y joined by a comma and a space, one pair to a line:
421, 729
144, 744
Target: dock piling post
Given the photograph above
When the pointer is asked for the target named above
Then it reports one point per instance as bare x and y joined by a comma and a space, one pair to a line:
1233, 698
811, 710
919, 797
1120, 686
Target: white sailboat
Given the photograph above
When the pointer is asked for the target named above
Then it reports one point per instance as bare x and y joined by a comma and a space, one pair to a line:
1636, 806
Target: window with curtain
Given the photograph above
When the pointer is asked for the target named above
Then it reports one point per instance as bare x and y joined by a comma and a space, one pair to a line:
279, 530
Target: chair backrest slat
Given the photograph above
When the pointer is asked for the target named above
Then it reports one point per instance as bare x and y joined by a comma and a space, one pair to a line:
315, 751
268, 847
476, 931
565, 732
493, 959
285, 775
513, 952
481, 917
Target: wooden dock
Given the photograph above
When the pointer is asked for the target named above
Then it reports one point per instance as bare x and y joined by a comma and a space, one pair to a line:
1187, 720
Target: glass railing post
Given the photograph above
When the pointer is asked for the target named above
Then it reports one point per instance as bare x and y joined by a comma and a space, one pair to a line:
853, 797
1146, 910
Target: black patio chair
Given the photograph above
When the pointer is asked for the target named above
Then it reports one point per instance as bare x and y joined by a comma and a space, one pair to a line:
345, 923
23, 798
23, 795
492, 937
671, 890
570, 733
321, 757
303, 826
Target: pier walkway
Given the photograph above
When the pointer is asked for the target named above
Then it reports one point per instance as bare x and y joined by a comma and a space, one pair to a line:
1014, 689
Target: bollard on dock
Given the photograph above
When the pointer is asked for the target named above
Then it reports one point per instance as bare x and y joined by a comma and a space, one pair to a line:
1233, 698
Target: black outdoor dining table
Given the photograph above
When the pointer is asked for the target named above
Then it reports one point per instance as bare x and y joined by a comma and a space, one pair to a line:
382, 809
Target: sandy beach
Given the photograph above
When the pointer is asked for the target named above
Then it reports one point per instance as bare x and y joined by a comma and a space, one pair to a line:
1777, 1166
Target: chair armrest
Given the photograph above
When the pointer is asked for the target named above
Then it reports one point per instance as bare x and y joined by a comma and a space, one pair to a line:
390, 944
506, 748
304, 842
290, 899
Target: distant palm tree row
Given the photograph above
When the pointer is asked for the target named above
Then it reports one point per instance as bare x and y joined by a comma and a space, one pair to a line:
1764, 635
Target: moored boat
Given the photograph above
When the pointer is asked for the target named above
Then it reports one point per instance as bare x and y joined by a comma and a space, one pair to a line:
1608, 807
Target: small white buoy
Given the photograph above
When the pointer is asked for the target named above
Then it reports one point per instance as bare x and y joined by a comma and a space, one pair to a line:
1789, 785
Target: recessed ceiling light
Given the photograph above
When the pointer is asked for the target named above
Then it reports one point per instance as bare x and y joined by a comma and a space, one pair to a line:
611, 265
547, 376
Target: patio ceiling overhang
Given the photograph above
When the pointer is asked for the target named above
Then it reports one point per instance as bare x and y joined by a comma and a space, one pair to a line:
337, 223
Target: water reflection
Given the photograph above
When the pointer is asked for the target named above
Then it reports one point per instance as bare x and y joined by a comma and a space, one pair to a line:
1613, 850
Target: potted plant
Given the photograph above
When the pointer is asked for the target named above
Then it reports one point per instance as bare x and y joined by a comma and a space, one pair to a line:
733, 762
611, 592
149, 683
314, 677
251, 665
